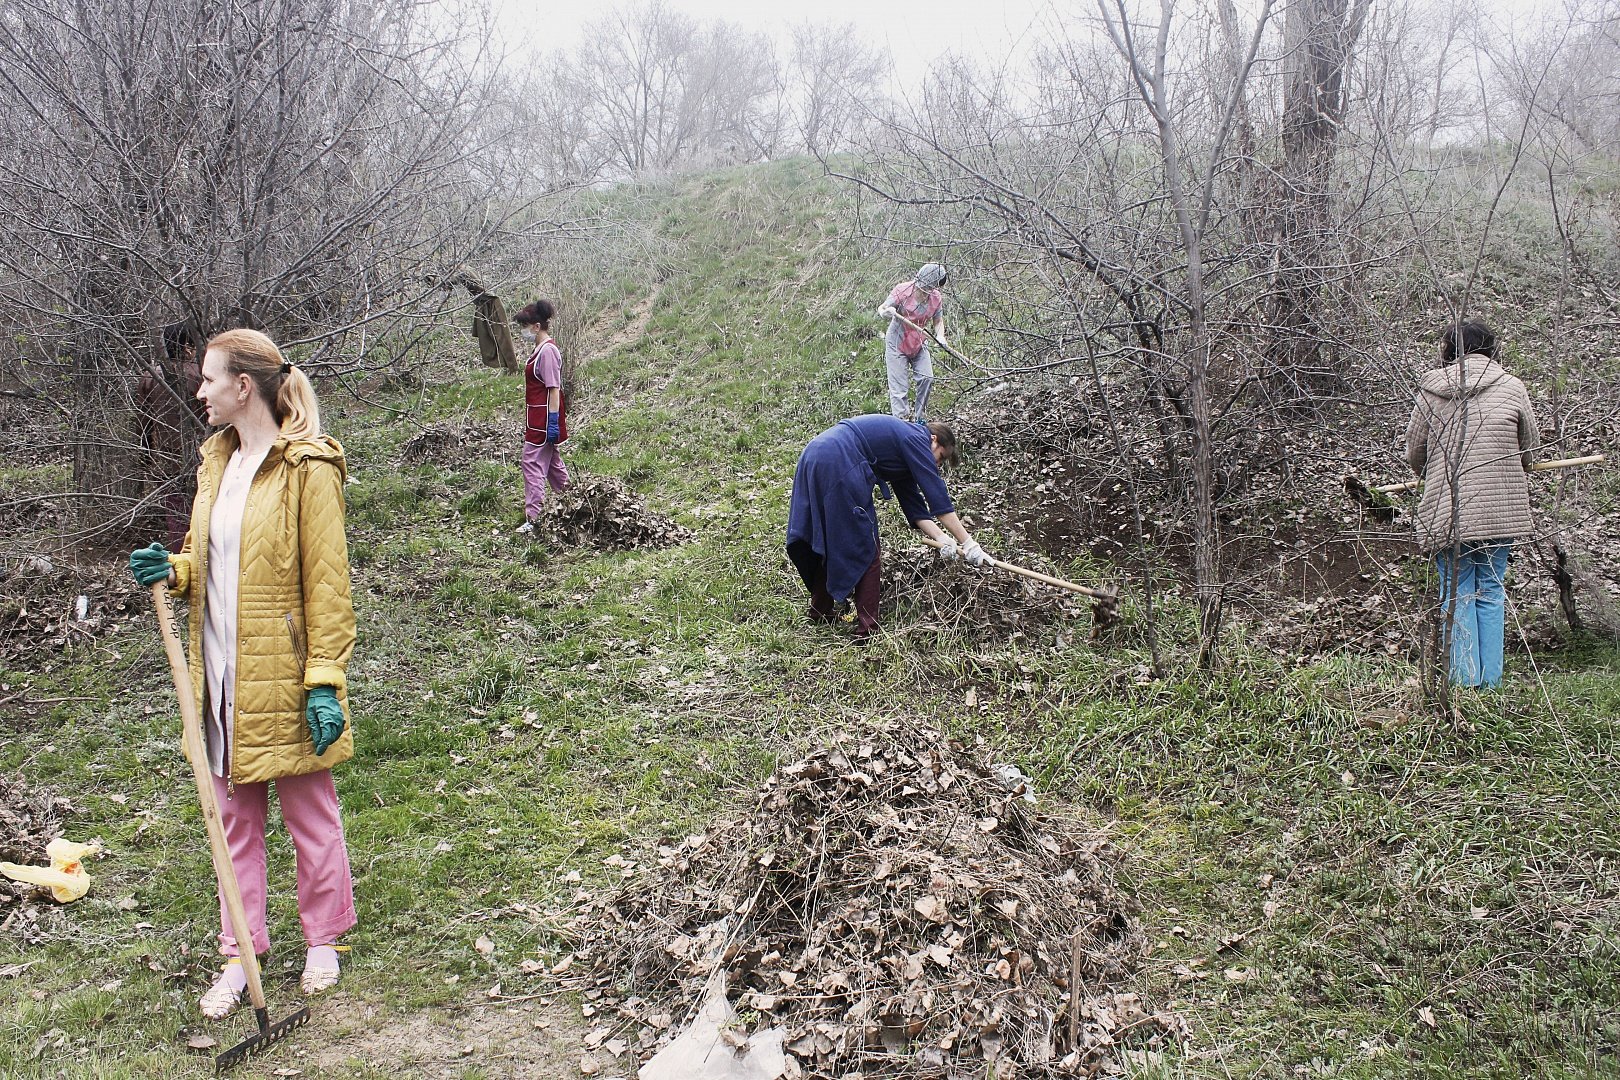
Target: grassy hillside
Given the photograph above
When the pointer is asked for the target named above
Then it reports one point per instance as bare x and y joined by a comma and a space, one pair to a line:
1331, 885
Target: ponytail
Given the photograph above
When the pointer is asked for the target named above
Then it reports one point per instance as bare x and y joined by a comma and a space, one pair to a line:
296, 407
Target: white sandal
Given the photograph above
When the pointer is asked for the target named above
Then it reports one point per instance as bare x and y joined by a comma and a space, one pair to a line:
222, 998
318, 980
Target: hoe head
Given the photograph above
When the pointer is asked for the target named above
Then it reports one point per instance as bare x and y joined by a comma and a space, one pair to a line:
1104, 610
268, 1033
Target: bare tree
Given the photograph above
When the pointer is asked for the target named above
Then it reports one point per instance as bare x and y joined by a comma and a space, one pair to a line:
1121, 214
837, 80
306, 167
1319, 36
664, 91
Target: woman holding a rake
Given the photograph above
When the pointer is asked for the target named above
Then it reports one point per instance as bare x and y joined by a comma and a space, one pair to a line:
265, 569
915, 310
1470, 439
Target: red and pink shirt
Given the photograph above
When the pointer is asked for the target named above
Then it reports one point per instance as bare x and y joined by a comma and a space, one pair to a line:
919, 305
541, 373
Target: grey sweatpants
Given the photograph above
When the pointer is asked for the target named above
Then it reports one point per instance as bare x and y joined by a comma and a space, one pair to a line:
902, 369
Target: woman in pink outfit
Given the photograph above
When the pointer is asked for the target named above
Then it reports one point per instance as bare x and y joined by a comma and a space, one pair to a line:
545, 412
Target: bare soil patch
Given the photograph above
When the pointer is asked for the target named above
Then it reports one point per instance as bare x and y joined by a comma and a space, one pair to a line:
1310, 570
891, 905
519, 1040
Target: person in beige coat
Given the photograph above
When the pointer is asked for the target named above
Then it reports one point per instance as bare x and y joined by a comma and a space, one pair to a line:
1470, 438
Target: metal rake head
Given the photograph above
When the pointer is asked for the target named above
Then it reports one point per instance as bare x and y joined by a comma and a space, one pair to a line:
261, 1041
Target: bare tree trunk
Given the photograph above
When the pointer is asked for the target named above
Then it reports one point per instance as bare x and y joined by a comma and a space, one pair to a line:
1321, 36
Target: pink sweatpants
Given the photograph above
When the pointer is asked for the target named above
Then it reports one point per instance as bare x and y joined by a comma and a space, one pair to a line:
309, 808
542, 465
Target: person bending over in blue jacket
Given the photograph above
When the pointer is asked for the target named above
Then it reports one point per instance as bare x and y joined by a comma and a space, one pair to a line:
832, 535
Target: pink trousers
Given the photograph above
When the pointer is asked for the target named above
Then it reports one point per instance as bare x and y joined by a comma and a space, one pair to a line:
309, 809
542, 466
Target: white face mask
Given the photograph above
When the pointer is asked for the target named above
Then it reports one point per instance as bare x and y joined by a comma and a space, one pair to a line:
528, 335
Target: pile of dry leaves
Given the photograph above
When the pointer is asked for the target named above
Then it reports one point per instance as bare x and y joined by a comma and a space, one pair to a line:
892, 906
979, 604
30, 818
602, 513
456, 442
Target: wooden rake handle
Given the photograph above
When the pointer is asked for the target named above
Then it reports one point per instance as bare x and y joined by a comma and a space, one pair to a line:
941, 344
1540, 466
1109, 596
197, 754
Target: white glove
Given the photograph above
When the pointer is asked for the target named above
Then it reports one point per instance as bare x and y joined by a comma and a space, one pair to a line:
974, 554
947, 548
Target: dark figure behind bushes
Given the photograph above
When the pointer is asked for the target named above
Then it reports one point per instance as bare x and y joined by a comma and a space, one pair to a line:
171, 426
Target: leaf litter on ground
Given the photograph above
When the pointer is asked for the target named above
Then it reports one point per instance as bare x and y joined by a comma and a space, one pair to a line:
892, 907
30, 818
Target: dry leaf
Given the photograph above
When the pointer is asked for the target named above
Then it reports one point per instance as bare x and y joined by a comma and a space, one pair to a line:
201, 1042
589, 1066
931, 908
1426, 1017
484, 945
834, 982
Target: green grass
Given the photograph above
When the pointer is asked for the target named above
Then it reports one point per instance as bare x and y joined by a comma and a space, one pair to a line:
1422, 900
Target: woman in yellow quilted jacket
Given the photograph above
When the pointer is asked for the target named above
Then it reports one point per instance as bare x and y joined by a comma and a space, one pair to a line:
265, 569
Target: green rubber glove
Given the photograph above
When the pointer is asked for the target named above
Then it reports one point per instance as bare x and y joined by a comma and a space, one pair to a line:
324, 716
150, 565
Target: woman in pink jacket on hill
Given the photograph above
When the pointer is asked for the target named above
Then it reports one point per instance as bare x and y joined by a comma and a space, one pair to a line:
915, 309
545, 419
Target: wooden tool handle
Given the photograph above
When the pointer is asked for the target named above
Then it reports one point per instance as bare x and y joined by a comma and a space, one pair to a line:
1095, 594
197, 754
936, 341
1540, 466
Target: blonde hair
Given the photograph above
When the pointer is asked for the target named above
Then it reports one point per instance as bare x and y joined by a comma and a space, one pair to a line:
287, 389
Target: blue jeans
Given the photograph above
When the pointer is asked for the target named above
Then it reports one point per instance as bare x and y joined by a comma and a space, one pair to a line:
1473, 605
